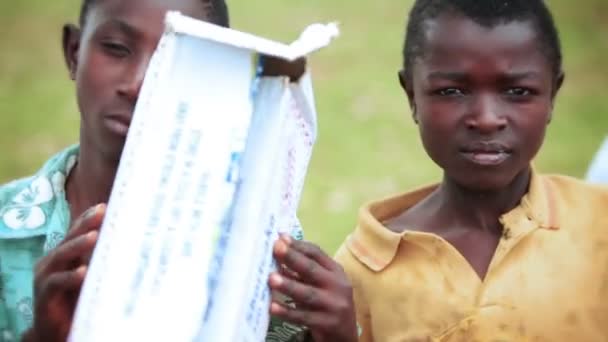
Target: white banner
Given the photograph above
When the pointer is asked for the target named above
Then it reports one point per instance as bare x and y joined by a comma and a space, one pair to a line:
212, 170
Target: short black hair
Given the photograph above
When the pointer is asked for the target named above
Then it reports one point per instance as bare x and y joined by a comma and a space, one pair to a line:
217, 11
487, 13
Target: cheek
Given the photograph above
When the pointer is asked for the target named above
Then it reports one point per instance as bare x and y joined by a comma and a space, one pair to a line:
94, 81
437, 123
532, 125
438, 118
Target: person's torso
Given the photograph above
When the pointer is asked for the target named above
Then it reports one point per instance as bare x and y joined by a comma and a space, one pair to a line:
547, 280
34, 218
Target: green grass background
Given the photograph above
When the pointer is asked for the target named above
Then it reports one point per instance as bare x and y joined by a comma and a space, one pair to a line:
368, 146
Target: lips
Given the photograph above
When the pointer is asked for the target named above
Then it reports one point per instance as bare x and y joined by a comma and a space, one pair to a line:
486, 153
118, 124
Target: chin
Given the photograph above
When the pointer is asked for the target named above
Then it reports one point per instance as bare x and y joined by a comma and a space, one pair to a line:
113, 152
488, 181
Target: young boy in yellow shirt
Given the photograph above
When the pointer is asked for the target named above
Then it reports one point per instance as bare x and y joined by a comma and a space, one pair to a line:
495, 251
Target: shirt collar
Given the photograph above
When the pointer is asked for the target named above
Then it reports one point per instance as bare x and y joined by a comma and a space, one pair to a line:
375, 246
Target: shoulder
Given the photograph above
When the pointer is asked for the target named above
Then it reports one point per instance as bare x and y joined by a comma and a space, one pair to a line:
571, 190
41, 182
25, 202
21, 201
577, 202
374, 242
401, 211
348, 259
9, 190
418, 217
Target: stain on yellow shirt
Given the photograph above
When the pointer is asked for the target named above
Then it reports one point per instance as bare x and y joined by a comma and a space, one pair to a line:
547, 281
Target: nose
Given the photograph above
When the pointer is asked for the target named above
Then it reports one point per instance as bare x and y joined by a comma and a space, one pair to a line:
485, 115
133, 79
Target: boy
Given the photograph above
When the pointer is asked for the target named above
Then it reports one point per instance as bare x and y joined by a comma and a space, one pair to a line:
42, 262
495, 251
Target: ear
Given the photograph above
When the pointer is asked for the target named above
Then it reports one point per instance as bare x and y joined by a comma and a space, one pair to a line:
559, 81
71, 46
557, 85
406, 85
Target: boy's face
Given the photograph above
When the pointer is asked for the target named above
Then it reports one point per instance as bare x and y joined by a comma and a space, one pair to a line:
108, 58
482, 98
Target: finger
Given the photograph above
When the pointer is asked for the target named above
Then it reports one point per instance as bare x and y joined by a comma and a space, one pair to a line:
79, 248
286, 272
306, 268
304, 317
89, 220
303, 295
311, 250
63, 282
65, 255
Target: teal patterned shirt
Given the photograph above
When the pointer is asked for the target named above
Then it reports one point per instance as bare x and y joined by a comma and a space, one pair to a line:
34, 219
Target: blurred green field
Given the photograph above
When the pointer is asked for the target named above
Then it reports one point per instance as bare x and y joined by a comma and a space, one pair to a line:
368, 146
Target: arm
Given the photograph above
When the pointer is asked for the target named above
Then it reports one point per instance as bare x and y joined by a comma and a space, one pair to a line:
59, 277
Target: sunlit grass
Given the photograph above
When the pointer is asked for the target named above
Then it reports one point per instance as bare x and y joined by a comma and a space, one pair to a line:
368, 146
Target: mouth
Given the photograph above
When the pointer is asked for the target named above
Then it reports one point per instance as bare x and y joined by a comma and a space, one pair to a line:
118, 124
486, 153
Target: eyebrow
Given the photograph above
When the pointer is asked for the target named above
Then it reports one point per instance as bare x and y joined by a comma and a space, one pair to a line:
461, 76
122, 26
518, 76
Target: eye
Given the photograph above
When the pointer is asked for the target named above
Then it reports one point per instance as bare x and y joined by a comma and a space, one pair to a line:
450, 92
116, 49
519, 92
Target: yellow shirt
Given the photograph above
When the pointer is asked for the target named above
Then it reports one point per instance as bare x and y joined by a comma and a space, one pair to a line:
547, 281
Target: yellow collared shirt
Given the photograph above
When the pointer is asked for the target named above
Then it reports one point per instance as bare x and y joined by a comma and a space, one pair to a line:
547, 281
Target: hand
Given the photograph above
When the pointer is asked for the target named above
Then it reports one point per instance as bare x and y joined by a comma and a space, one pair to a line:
59, 276
320, 289
273, 66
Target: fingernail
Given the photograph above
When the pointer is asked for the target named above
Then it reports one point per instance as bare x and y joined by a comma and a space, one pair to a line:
280, 247
276, 308
92, 211
276, 279
92, 235
286, 238
82, 270
101, 207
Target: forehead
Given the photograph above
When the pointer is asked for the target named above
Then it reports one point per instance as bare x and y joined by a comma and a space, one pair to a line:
454, 40
146, 15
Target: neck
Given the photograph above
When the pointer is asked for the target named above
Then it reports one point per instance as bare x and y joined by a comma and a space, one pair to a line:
482, 209
91, 180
